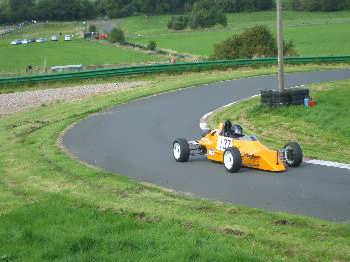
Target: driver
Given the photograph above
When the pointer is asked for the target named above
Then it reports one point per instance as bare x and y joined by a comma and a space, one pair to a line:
233, 131
237, 131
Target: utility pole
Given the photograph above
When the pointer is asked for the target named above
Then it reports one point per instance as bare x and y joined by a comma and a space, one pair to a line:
280, 45
45, 65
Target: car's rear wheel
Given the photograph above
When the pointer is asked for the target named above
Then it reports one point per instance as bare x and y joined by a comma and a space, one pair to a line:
294, 154
181, 150
232, 160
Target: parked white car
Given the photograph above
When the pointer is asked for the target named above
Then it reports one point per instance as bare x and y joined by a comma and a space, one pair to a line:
41, 40
54, 38
16, 42
25, 41
67, 38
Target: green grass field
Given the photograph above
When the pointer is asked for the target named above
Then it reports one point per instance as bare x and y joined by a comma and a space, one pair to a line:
322, 131
14, 59
314, 34
55, 208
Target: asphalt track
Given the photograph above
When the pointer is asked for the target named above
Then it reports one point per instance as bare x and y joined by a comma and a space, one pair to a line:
135, 140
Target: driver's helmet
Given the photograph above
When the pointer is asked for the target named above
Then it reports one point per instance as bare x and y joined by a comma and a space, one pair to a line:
237, 130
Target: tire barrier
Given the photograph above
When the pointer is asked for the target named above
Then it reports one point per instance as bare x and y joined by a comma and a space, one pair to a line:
274, 98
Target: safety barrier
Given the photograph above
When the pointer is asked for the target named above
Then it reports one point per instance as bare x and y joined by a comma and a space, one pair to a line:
167, 68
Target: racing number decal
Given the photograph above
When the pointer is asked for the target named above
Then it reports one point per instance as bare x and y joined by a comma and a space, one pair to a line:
223, 143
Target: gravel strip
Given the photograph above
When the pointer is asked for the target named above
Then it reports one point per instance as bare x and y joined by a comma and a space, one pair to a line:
16, 102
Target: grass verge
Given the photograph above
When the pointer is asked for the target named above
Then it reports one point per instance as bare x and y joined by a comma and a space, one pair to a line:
52, 207
323, 131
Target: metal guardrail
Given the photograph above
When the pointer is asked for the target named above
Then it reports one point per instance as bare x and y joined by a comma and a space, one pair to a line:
163, 68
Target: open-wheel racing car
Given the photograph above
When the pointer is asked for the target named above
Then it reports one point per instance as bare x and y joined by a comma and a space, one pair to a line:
228, 145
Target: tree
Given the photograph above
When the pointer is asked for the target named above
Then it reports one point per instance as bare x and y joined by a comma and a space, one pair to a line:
92, 28
258, 42
4, 18
205, 14
118, 8
152, 45
87, 9
229, 49
254, 42
263, 4
320, 5
117, 36
65, 9
21, 10
178, 22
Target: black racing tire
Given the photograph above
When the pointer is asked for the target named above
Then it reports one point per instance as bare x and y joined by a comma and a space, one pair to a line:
232, 159
294, 154
181, 150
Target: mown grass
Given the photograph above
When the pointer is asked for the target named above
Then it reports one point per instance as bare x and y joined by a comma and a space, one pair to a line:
15, 59
52, 207
313, 33
60, 228
323, 131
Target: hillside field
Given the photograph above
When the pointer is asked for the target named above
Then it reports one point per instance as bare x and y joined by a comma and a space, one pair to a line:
314, 34
14, 59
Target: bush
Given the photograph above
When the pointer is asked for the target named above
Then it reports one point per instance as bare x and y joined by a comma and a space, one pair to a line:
254, 42
92, 28
152, 45
178, 22
117, 36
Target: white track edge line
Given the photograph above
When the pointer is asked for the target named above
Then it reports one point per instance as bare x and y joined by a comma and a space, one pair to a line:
328, 163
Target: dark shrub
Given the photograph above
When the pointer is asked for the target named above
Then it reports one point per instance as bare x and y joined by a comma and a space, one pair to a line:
178, 22
254, 42
152, 45
92, 28
117, 36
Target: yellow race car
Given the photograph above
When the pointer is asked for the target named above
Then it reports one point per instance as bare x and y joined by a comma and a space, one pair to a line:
228, 145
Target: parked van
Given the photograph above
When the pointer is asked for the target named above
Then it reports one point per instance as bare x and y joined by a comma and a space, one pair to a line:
67, 38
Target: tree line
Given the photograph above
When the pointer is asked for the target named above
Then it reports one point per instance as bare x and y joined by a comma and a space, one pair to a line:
204, 14
22, 10
12, 11
319, 5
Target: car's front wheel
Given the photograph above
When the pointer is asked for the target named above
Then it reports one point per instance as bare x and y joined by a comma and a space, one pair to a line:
181, 150
294, 154
232, 160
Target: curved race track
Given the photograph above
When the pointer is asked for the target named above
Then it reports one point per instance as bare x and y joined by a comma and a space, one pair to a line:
135, 140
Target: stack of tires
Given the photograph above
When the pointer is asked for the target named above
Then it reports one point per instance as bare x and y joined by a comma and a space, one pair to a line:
275, 98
